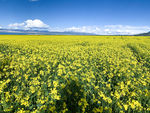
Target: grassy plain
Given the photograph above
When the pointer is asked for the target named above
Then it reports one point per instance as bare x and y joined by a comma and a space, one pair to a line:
74, 74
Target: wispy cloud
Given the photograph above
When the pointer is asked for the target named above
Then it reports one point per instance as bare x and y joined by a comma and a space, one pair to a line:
111, 29
16, 25
89, 29
126, 29
29, 24
33, 0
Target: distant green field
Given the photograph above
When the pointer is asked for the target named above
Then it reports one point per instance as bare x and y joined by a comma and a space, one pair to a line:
74, 74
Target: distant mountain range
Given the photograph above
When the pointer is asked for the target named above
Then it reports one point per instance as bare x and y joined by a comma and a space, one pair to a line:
38, 32
46, 32
144, 34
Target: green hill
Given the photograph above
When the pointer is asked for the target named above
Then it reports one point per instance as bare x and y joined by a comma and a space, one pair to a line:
144, 34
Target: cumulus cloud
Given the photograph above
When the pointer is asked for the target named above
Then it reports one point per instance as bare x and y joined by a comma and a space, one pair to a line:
29, 24
35, 24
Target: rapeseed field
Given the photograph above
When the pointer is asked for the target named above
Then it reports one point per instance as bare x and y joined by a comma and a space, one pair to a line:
74, 74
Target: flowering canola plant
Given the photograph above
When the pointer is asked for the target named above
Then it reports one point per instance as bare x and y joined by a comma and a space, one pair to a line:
74, 74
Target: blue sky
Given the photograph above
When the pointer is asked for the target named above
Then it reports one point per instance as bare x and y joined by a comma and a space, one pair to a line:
96, 16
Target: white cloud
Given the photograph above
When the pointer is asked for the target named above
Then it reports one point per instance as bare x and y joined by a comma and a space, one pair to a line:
100, 30
126, 29
111, 29
33, 0
16, 25
35, 24
29, 24
88, 29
